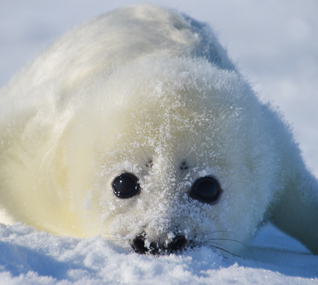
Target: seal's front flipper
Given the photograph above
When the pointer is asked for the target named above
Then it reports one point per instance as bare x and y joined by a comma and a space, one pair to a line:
297, 212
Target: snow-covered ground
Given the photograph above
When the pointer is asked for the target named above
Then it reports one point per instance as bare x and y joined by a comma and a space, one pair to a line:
275, 45
31, 257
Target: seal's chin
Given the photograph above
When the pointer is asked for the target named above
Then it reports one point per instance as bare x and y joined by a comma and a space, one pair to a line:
143, 246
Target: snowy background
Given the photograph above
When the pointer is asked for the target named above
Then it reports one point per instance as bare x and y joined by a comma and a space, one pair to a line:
275, 45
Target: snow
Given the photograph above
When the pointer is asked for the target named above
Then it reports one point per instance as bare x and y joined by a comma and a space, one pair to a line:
275, 45
29, 257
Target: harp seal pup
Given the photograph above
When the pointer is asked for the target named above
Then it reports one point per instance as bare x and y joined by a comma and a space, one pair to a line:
137, 125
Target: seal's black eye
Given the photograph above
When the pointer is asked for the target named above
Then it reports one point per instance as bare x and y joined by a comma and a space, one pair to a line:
206, 189
125, 185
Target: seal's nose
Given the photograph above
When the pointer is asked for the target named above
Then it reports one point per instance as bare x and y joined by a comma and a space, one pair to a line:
139, 244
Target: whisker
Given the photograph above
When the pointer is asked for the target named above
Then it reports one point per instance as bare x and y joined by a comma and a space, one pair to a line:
192, 148
208, 233
217, 246
143, 163
214, 243
148, 156
114, 239
213, 239
227, 251
113, 235
227, 239
111, 238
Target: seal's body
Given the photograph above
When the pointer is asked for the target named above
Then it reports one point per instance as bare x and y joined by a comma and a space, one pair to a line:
137, 124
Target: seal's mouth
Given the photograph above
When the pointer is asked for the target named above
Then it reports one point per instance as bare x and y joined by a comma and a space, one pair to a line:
142, 245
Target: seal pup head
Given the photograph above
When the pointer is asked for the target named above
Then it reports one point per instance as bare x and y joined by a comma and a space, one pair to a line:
173, 161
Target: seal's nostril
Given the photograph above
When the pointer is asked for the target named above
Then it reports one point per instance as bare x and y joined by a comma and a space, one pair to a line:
153, 248
138, 244
178, 243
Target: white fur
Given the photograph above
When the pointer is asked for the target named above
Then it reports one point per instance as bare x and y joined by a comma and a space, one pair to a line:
144, 83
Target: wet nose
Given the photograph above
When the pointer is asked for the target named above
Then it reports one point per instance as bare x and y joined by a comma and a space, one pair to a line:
178, 243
